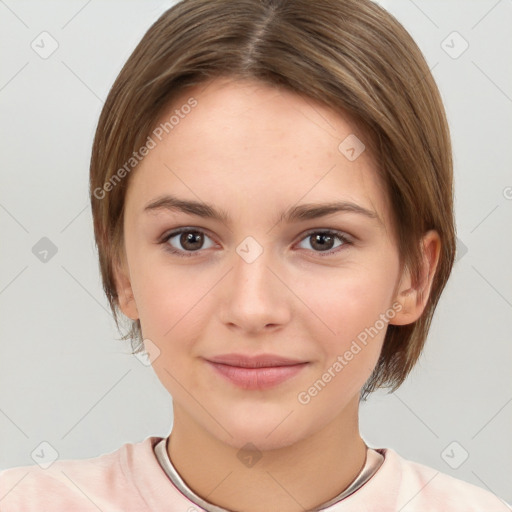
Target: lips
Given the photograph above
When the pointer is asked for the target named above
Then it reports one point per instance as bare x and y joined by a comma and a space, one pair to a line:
257, 361
255, 372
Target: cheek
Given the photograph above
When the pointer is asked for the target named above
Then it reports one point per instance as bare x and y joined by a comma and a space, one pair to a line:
348, 358
349, 303
354, 309
171, 305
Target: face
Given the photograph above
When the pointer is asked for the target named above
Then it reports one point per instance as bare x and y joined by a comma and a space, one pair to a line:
258, 281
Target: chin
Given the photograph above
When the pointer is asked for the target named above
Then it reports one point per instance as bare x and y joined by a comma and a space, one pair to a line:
264, 433
259, 442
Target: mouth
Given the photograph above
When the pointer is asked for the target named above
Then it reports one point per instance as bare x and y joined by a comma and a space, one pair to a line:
256, 361
255, 372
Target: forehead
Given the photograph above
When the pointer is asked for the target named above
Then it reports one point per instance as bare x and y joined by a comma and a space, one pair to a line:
246, 144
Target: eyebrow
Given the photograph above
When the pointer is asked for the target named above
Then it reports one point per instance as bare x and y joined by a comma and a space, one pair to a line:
292, 214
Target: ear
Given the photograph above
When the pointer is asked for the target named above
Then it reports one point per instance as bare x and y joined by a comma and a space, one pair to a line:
413, 298
125, 296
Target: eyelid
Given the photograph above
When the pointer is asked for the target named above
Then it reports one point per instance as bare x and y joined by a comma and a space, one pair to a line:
167, 234
344, 237
332, 231
184, 229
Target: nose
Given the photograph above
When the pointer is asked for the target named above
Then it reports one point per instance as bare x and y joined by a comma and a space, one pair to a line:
255, 296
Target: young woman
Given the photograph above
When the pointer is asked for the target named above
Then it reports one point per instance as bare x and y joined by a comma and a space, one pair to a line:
271, 186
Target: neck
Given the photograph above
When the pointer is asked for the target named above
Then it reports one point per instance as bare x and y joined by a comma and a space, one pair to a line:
293, 478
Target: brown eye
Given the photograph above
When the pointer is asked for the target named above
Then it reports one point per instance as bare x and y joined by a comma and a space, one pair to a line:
185, 241
191, 240
324, 241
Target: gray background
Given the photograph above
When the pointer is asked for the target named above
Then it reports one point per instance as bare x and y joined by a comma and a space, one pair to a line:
65, 380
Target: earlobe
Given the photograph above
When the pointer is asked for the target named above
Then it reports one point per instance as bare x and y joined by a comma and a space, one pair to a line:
125, 296
413, 297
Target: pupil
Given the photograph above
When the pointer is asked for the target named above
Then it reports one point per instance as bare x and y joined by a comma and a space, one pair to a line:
322, 236
190, 238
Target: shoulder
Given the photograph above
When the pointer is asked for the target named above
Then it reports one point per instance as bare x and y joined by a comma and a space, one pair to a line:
424, 488
78, 485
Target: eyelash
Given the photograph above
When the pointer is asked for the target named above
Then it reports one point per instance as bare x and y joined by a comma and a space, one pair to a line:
184, 254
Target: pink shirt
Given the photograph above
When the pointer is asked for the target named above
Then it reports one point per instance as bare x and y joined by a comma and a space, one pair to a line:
131, 479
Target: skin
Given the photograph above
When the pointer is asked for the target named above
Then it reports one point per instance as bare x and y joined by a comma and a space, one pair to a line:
253, 151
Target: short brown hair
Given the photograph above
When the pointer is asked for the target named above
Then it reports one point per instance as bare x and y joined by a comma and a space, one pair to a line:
350, 55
